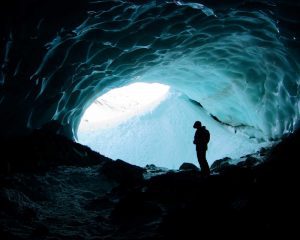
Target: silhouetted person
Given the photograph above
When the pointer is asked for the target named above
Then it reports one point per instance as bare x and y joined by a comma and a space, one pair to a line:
201, 140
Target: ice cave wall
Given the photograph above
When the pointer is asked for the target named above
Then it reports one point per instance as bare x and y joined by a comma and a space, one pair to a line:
239, 61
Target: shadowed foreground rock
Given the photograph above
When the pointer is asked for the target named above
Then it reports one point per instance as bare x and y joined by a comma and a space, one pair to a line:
68, 191
188, 166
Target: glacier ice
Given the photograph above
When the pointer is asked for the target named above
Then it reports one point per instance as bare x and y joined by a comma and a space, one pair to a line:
240, 63
235, 65
207, 11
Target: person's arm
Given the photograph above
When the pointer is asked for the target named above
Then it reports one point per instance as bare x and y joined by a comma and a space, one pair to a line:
195, 137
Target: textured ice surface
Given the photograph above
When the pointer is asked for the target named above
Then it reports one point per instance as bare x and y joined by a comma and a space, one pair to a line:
235, 65
238, 62
207, 11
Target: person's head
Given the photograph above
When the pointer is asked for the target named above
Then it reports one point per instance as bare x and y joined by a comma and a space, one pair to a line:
197, 124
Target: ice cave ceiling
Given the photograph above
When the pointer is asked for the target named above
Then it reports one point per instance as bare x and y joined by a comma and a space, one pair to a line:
238, 60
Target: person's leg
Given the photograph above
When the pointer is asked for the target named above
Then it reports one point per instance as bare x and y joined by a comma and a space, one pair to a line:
201, 159
201, 154
205, 167
207, 170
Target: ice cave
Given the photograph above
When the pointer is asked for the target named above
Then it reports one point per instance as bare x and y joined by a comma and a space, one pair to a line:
122, 82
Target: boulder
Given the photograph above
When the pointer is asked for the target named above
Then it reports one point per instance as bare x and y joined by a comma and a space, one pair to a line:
249, 162
122, 171
188, 166
220, 164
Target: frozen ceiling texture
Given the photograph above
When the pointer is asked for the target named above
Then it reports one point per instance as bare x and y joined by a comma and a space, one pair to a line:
237, 62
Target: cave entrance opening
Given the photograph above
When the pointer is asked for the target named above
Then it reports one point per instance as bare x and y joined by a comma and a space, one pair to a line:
114, 125
152, 123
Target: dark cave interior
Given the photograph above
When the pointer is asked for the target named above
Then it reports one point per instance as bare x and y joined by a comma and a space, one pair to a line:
234, 63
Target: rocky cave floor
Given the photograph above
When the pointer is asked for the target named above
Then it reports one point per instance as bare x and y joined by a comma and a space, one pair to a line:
54, 188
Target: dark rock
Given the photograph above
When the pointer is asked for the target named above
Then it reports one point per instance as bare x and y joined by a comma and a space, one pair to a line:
220, 164
44, 150
263, 151
154, 169
135, 208
188, 166
16, 203
29, 214
99, 203
151, 167
40, 231
123, 172
249, 162
7, 235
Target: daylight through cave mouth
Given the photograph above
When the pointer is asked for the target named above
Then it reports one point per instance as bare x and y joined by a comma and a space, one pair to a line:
151, 123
